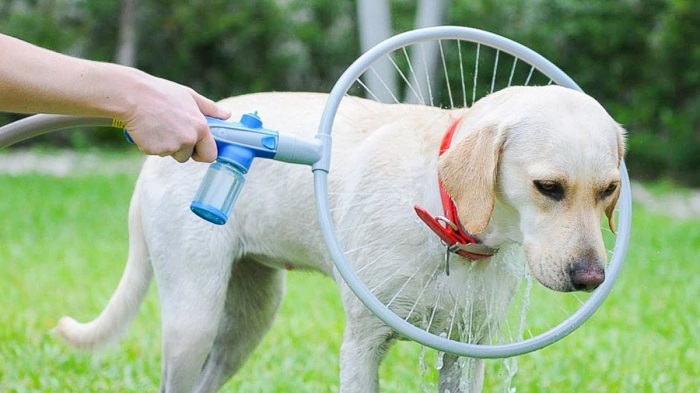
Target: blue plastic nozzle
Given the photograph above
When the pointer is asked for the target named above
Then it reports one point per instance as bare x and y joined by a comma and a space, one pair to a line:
238, 143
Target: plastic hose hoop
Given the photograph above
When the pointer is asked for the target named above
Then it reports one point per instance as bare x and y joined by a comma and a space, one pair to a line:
321, 168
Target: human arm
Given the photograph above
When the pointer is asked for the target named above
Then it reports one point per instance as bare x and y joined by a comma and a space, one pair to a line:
163, 117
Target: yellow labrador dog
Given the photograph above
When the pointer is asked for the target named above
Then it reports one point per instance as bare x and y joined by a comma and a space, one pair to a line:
529, 169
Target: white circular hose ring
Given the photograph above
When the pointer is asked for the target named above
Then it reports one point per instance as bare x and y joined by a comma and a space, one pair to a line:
522, 67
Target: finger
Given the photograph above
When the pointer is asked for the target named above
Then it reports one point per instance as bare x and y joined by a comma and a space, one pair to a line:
205, 150
210, 108
183, 154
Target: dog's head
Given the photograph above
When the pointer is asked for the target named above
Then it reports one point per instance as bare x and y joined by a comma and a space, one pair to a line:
539, 166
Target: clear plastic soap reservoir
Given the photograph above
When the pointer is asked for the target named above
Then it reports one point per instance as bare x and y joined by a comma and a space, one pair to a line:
238, 143
218, 192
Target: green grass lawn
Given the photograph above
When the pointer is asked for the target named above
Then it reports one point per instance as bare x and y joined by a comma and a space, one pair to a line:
63, 247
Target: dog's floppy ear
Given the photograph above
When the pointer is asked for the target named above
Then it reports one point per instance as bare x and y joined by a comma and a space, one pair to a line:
610, 209
468, 171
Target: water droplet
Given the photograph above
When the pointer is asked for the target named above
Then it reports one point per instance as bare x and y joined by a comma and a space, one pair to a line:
440, 362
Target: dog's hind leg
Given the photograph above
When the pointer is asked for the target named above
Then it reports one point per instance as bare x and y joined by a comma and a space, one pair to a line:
254, 295
192, 290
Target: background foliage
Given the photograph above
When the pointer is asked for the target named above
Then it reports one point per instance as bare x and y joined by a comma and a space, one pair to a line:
638, 57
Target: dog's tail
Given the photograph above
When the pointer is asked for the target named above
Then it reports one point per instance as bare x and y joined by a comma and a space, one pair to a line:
114, 320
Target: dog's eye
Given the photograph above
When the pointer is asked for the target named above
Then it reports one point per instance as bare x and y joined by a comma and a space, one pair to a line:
550, 189
608, 191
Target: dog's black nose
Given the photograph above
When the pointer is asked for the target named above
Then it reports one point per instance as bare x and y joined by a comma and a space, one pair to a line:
585, 276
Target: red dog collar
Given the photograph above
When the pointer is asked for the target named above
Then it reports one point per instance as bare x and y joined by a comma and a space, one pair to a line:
448, 227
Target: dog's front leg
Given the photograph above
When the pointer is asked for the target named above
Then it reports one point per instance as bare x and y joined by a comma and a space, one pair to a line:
465, 375
361, 353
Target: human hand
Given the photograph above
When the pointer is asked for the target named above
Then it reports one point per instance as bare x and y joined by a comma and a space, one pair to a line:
166, 118
162, 117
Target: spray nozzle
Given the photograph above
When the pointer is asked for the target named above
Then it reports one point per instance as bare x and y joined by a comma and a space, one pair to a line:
238, 143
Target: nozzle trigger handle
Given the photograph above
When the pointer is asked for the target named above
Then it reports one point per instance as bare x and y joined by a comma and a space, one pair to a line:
128, 137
